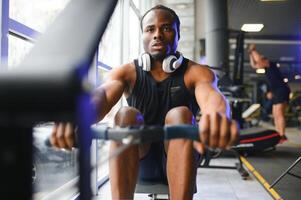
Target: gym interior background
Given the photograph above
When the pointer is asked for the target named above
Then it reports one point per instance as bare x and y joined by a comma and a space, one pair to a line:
55, 172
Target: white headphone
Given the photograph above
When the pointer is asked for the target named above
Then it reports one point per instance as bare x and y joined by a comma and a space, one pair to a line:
170, 63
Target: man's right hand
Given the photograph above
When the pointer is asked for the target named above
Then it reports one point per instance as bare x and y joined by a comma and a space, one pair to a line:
63, 135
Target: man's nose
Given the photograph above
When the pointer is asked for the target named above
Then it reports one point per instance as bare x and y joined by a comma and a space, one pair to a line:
158, 34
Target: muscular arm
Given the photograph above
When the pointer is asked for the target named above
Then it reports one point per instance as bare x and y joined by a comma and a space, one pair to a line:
217, 129
257, 61
104, 98
108, 94
209, 97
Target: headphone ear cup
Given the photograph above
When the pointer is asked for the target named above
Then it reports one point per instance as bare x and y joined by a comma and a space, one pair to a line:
167, 64
144, 61
171, 63
178, 62
140, 63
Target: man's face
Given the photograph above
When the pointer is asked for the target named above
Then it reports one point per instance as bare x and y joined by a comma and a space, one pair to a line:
159, 33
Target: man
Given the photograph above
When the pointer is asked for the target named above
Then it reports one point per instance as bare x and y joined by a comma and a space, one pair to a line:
279, 89
160, 97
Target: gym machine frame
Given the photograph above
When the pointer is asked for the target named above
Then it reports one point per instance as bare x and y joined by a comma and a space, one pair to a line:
50, 85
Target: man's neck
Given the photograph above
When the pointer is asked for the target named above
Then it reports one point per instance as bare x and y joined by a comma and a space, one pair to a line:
157, 65
157, 71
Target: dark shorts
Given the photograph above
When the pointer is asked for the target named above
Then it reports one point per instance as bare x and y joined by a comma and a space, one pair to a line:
152, 167
281, 95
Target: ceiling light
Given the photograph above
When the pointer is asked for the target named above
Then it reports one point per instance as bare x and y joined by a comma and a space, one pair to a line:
252, 27
181, 6
285, 80
260, 71
287, 58
272, 0
185, 29
297, 77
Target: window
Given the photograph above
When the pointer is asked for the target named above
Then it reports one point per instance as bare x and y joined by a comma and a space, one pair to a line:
120, 43
134, 35
37, 14
17, 50
109, 52
26, 20
52, 168
55, 169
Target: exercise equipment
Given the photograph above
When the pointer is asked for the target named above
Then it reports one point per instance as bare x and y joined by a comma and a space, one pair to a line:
288, 171
50, 85
251, 140
257, 139
146, 134
214, 153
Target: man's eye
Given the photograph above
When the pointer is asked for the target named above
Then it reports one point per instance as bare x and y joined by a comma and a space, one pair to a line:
149, 29
166, 28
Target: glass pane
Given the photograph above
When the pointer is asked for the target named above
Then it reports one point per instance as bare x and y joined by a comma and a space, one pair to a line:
52, 168
17, 50
110, 45
102, 162
137, 3
134, 35
102, 73
36, 14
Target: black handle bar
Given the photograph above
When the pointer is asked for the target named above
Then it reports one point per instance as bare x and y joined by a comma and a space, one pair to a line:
146, 134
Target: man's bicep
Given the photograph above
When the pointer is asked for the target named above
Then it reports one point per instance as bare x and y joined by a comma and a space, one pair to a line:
115, 85
113, 91
108, 94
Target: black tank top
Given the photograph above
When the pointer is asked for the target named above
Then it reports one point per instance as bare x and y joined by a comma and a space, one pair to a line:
154, 99
274, 77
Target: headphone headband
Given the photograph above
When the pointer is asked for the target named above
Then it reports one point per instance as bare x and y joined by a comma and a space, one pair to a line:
169, 64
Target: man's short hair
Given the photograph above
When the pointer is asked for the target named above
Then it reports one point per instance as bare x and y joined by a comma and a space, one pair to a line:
171, 11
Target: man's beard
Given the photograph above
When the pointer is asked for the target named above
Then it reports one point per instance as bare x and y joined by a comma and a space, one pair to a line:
158, 56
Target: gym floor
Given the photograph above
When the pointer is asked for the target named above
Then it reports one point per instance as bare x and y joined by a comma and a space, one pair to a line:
271, 165
215, 184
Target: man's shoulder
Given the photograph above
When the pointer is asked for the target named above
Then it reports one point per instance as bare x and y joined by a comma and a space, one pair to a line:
194, 67
124, 69
197, 73
128, 72
128, 66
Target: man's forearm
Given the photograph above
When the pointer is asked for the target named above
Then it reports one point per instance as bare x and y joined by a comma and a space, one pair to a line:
99, 99
222, 106
216, 102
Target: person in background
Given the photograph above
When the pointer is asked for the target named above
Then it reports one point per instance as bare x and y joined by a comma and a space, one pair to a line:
267, 106
279, 88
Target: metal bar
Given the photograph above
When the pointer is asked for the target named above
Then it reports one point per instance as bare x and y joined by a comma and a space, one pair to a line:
50, 82
16, 162
84, 120
285, 172
4, 33
218, 167
294, 175
103, 181
103, 65
22, 30
269, 41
